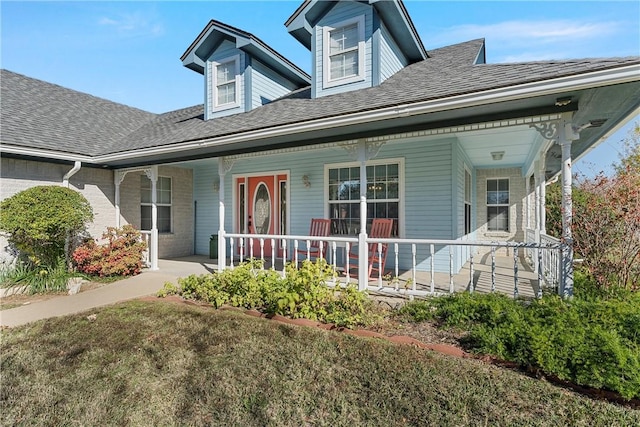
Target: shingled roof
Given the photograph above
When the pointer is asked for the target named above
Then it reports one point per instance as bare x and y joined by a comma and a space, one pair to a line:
450, 71
43, 115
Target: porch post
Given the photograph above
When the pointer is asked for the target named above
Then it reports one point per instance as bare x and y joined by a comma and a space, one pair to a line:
118, 177
562, 132
543, 195
527, 190
565, 136
363, 251
152, 174
536, 175
222, 246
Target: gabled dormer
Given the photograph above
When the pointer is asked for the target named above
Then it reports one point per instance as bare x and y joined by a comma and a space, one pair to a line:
240, 71
355, 44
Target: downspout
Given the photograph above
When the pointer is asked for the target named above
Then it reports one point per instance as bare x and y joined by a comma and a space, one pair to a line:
76, 167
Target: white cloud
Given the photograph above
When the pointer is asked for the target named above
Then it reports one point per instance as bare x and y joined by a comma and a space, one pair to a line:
133, 24
521, 32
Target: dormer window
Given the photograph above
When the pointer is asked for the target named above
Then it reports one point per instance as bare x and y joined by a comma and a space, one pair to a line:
343, 47
226, 76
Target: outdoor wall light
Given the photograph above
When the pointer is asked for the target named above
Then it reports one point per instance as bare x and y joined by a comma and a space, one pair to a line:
497, 155
305, 181
561, 102
216, 186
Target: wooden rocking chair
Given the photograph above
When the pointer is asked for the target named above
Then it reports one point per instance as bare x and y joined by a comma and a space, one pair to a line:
320, 227
380, 229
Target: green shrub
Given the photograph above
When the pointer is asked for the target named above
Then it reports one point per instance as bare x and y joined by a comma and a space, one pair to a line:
301, 293
40, 220
592, 342
120, 256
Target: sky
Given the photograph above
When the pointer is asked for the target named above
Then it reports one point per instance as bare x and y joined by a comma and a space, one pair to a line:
129, 51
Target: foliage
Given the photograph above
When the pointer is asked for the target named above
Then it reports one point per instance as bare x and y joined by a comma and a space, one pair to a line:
592, 342
39, 221
606, 220
120, 256
301, 293
36, 279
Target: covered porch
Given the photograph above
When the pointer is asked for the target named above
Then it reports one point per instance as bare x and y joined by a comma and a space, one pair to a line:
423, 257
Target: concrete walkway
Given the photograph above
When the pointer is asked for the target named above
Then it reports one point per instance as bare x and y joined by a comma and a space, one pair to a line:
145, 284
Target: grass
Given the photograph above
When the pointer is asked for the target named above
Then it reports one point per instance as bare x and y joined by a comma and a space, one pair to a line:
158, 363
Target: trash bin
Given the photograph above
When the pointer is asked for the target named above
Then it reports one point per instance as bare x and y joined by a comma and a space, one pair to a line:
213, 246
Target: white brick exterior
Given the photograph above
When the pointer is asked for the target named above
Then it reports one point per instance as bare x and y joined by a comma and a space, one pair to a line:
98, 187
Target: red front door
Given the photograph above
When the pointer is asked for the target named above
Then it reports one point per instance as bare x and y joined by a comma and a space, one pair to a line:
260, 209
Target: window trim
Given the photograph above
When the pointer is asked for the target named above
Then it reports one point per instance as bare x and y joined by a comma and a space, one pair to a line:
214, 78
468, 203
158, 204
401, 191
507, 205
327, 81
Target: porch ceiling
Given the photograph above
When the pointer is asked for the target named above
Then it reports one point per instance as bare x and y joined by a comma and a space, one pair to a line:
518, 144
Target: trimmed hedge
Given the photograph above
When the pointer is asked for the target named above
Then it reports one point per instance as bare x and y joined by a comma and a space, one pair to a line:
592, 342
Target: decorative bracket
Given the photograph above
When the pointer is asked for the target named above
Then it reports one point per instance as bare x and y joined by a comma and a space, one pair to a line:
548, 130
373, 148
152, 173
351, 147
225, 164
118, 177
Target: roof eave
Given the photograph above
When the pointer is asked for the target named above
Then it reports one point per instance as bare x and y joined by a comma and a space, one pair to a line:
195, 60
600, 78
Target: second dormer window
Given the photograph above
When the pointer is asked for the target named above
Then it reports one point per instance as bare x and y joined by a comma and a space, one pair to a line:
226, 83
344, 52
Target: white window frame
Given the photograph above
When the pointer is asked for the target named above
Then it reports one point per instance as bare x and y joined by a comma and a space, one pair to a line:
158, 204
326, 43
214, 74
401, 180
468, 201
497, 205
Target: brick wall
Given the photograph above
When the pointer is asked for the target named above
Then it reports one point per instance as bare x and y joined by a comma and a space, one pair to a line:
97, 185
180, 241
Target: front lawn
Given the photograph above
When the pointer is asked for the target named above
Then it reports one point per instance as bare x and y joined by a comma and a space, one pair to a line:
161, 363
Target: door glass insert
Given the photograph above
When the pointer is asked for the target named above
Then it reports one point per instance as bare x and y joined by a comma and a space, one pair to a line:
243, 212
262, 209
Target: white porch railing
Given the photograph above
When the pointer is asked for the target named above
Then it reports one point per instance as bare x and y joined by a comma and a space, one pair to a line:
551, 260
401, 277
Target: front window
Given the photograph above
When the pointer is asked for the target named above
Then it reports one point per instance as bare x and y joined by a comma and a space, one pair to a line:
344, 52
163, 203
383, 197
225, 76
498, 204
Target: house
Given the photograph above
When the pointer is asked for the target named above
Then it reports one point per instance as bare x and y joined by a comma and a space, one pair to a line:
455, 150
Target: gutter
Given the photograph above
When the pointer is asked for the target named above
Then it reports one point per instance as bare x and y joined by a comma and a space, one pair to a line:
76, 167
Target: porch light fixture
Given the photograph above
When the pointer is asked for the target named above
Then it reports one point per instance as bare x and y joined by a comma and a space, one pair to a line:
497, 155
305, 181
561, 102
216, 186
